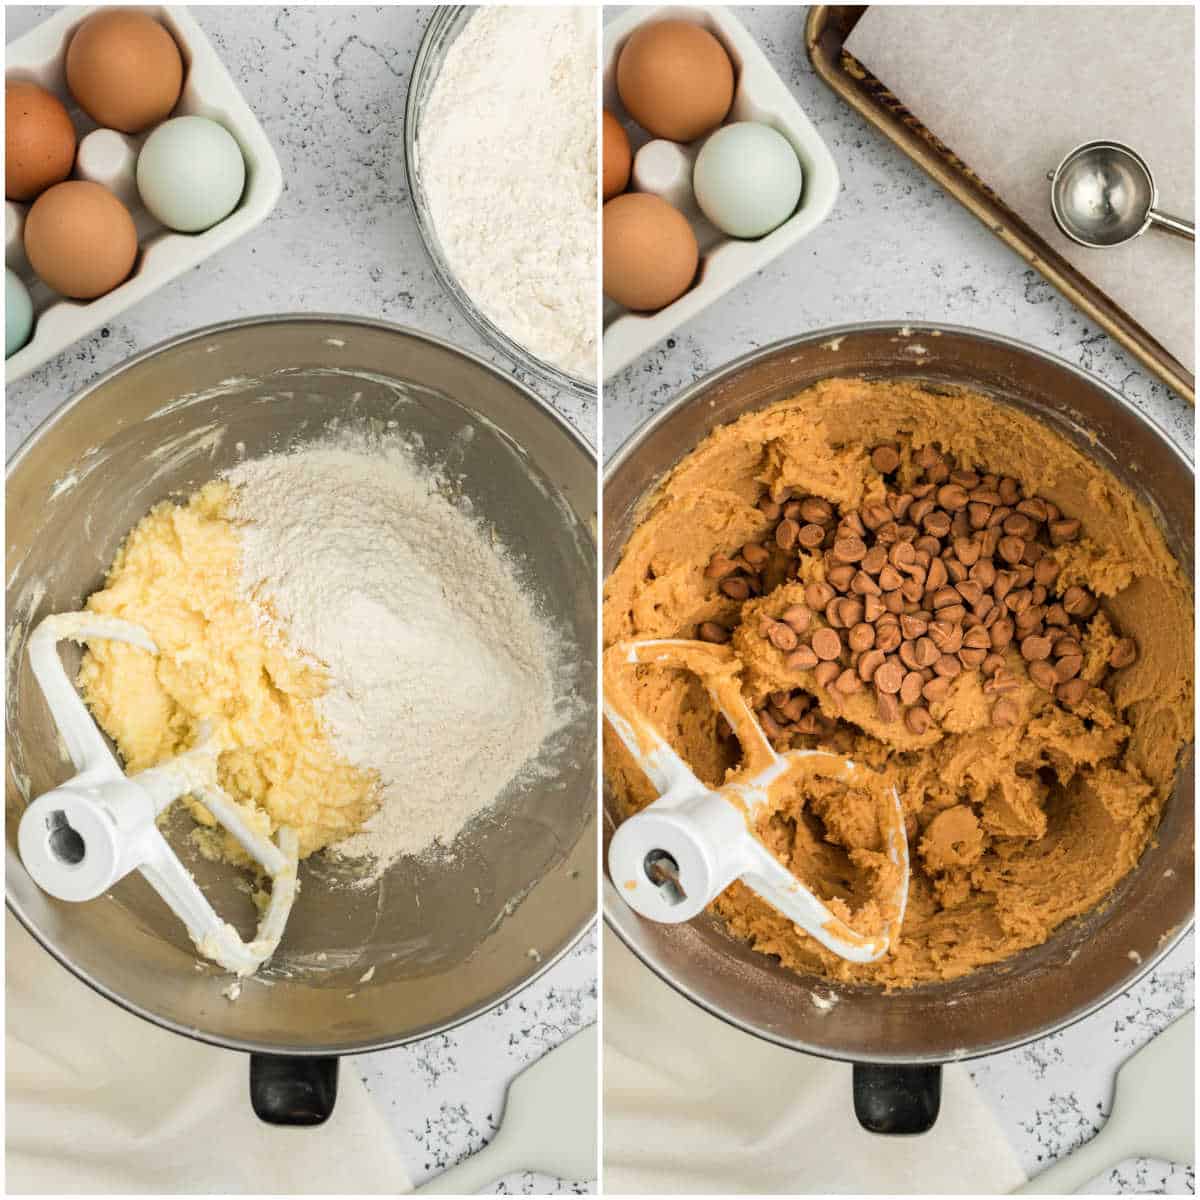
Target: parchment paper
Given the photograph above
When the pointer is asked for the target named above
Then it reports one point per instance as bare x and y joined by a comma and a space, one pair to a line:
1012, 90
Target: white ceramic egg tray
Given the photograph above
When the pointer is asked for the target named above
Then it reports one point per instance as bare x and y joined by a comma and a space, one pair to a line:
759, 95
208, 91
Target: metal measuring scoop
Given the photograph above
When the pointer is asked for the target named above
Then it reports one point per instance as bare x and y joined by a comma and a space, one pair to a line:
1102, 194
673, 858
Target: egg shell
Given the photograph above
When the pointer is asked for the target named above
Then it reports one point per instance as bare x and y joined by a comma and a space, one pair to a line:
675, 79
190, 173
39, 140
124, 69
18, 313
650, 252
80, 239
618, 156
747, 179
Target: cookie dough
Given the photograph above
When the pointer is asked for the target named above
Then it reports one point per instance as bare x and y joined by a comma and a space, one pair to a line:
176, 575
1017, 821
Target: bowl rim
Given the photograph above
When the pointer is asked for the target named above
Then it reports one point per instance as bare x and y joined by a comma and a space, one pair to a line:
247, 1045
546, 372
616, 913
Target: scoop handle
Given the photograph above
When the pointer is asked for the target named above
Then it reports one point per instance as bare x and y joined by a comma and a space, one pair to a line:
1176, 225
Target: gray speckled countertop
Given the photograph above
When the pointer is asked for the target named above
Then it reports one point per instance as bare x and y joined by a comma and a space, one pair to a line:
329, 87
896, 247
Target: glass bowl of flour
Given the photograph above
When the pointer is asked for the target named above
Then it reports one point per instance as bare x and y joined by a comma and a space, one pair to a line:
501, 156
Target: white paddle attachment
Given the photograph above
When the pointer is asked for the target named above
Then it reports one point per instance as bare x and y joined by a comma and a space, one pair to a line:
79, 839
672, 859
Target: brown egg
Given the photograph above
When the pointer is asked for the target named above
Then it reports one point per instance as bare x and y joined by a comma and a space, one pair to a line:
650, 252
80, 239
39, 140
618, 157
124, 69
675, 79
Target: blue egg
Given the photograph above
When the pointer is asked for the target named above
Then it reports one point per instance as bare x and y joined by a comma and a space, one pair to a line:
747, 179
18, 313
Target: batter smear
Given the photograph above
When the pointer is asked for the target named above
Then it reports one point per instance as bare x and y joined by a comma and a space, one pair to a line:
942, 588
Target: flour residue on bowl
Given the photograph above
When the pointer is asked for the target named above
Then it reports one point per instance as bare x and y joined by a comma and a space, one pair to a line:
437, 667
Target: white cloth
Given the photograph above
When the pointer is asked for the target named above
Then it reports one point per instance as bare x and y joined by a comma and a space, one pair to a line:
102, 1102
692, 1105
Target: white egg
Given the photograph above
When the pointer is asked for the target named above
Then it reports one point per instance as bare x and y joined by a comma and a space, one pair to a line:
190, 173
747, 179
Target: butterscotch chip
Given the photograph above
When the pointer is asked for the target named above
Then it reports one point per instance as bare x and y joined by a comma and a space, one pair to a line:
1067, 646
992, 663
937, 577
952, 496
818, 595
736, 588
887, 637
875, 514
1124, 654
782, 637
863, 585
798, 616
869, 663
755, 554
889, 677
802, 658
1068, 667
912, 626
978, 514
826, 672
902, 554
849, 549
861, 636
851, 611
792, 511
920, 509
890, 579
1005, 712
936, 524
786, 533
1042, 673
1035, 649
912, 590
966, 550
873, 608
983, 573
1009, 489
936, 689
1079, 602
971, 658
848, 682
1046, 570
840, 576
710, 631
908, 655
927, 652
991, 539
898, 503
944, 597
1002, 680
1071, 692
970, 591
910, 687
894, 602
1020, 526
918, 720
1061, 531
815, 510
826, 644
947, 636
885, 459
977, 639
1011, 548
1034, 508
770, 726
887, 706
947, 666
810, 536
874, 560
1001, 633
938, 473
770, 508
719, 566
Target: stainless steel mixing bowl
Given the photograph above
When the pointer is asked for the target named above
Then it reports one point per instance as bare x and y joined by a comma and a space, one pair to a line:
439, 936
1087, 962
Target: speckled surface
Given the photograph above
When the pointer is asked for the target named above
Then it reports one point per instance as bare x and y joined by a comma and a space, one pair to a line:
329, 87
896, 247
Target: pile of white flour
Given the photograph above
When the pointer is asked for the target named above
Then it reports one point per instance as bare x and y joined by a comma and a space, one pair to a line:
507, 156
439, 671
